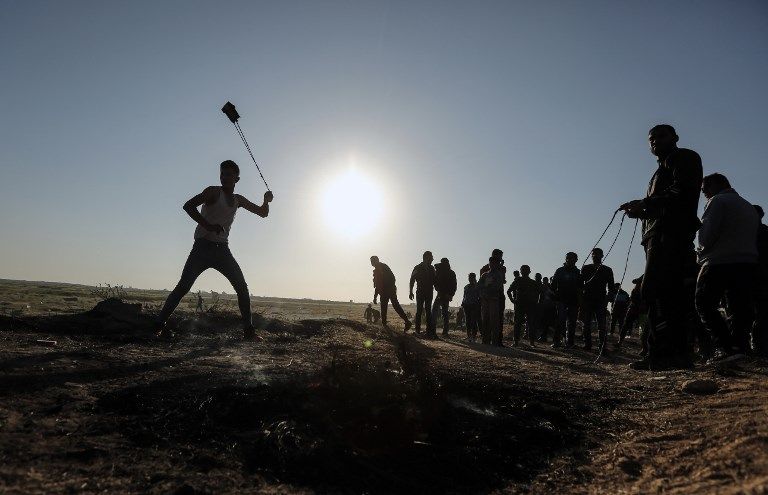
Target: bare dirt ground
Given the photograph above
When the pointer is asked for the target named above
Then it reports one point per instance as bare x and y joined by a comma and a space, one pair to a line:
326, 404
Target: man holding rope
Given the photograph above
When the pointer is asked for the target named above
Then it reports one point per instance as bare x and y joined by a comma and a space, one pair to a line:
670, 221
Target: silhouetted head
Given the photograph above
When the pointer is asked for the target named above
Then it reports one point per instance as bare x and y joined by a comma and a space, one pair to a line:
229, 174
713, 184
427, 257
472, 278
525, 271
494, 262
370, 305
375, 261
516, 274
537, 277
617, 286
497, 253
760, 211
571, 258
662, 139
445, 261
597, 256
545, 281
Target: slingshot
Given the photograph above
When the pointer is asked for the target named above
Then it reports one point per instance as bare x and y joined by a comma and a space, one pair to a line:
231, 112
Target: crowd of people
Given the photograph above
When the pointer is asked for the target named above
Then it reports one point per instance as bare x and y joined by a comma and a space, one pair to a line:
707, 302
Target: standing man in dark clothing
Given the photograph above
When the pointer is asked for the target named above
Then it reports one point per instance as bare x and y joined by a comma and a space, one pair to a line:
384, 286
598, 281
524, 292
497, 334
491, 294
445, 285
423, 275
670, 222
760, 326
546, 310
728, 258
619, 305
567, 284
471, 304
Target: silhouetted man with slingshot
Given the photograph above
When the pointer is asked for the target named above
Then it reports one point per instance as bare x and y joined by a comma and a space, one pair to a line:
211, 247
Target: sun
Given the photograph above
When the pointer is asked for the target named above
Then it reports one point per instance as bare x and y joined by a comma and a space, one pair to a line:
352, 204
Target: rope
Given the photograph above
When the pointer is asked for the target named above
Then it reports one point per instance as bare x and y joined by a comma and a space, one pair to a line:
603, 340
601, 237
605, 256
247, 147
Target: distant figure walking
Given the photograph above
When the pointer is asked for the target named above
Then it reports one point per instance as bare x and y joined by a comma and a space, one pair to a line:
598, 281
445, 285
669, 213
423, 275
199, 303
384, 286
619, 305
368, 313
211, 247
524, 292
471, 304
567, 284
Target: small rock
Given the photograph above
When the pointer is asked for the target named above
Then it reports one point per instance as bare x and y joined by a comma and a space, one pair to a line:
701, 387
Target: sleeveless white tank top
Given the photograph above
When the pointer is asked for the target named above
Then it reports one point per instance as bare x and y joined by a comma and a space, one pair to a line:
219, 212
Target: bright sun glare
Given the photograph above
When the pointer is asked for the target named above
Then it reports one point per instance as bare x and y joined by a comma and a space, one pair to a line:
352, 204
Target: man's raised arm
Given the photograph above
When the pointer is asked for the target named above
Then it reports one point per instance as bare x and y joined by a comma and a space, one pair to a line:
262, 210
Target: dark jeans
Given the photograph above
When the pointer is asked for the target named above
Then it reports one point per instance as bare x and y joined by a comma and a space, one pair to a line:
664, 292
441, 304
424, 301
566, 316
760, 326
207, 254
734, 282
618, 313
385, 299
490, 320
593, 309
525, 312
546, 316
472, 314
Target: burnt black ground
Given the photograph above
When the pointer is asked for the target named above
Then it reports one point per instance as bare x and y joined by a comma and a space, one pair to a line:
331, 406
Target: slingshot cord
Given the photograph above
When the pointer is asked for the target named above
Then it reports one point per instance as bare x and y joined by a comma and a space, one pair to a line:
247, 147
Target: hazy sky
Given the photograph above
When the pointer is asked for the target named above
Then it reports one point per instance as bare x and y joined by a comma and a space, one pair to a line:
519, 125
